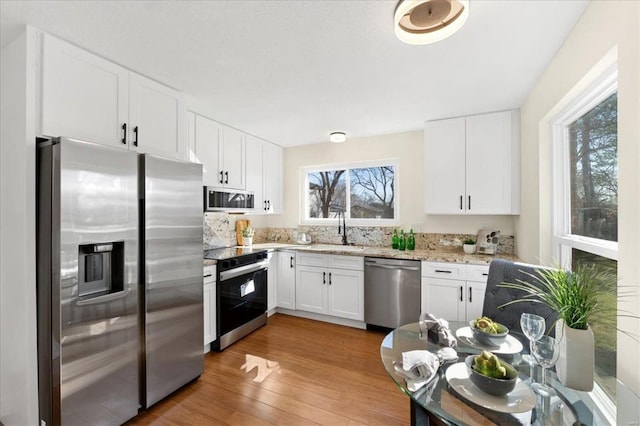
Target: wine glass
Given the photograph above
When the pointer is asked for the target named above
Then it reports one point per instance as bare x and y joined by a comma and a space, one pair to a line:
546, 351
533, 327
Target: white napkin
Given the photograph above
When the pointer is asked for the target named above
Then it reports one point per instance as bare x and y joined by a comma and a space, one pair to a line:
441, 327
418, 367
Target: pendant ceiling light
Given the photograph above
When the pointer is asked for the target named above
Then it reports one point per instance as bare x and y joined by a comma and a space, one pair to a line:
337, 137
429, 21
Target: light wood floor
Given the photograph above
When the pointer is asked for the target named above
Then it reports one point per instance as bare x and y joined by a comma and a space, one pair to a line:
328, 375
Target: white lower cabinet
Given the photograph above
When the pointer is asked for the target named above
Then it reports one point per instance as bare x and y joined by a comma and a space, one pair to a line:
330, 285
286, 280
209, 305
454, 292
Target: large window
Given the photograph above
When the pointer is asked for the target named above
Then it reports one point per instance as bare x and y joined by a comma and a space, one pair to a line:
365, 192
585, 194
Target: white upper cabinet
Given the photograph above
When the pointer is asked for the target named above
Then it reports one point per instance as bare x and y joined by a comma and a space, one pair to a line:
221, 151
272, 173
89, 98
472, 164
255, 171
206, 149
444, 156
233, 158
156, 118
264, 174
83, 95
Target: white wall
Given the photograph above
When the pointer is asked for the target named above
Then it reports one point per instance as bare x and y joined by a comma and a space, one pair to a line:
604, 26
18, 362
408, 148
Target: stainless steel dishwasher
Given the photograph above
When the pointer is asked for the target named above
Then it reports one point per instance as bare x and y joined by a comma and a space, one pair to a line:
391, 292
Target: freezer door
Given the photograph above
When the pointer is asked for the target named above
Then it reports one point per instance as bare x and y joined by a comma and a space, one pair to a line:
88, 283
174, 323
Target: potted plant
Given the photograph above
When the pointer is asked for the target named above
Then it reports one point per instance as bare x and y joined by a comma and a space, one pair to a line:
469, 246
576, 296
247, 235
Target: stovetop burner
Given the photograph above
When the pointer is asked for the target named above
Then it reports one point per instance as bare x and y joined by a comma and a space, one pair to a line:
233, 257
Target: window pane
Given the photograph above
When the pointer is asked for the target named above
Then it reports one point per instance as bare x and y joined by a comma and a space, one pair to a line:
593, 145
604, 326
327, 193
372, 192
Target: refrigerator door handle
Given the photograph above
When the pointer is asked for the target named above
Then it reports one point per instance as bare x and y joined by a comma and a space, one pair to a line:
103, 299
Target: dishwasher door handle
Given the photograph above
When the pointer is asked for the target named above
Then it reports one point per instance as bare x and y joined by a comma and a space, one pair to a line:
395, 268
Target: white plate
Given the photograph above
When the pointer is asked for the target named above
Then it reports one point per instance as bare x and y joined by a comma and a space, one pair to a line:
511, 345
520, 400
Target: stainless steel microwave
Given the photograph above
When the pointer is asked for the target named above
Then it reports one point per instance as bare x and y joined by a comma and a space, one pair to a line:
221, 200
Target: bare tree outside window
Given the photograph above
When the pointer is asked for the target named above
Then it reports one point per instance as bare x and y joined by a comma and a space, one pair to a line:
326, 188
372, 192
361, 192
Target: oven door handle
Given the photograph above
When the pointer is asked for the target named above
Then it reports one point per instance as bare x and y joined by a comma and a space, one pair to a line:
243, 270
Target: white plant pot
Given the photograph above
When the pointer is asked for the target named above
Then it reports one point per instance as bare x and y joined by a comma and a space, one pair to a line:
247, 241
469, 248
577, 357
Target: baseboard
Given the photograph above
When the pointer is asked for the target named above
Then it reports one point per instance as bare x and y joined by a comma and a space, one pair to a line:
325, 318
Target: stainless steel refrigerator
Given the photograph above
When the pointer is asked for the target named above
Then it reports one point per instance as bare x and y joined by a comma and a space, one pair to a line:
101, 303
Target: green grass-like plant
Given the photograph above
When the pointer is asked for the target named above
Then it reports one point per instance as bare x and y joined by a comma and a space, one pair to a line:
574, 295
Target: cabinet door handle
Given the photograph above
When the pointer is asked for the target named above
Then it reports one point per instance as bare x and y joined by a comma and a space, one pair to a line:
470, 298
268, 205
461, 296
442, 271
135, 132
469, 202
461, 202
324, 278
265, 205
221, 176
485, 274
124, 133
329, 278
291, 261
226, 175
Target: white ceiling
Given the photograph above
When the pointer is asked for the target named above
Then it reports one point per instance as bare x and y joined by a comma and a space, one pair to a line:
293, 71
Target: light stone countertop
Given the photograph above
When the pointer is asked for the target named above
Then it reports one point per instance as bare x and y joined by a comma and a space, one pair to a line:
452, 256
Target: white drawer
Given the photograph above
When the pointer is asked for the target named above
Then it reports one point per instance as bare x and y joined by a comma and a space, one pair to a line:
451, 271
478, 273
209, 274
310, 259
354, 263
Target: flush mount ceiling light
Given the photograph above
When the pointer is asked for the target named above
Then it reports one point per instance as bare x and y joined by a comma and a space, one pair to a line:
337, 137
429, 21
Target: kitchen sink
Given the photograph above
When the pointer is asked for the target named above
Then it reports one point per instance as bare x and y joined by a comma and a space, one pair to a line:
334, 247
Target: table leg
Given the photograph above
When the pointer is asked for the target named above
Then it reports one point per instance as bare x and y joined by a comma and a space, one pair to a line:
419, 416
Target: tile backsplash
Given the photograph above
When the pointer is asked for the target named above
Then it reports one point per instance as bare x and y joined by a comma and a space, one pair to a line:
219, 231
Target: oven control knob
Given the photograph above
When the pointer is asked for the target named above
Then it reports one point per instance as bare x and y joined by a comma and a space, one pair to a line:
234, 262
225, 264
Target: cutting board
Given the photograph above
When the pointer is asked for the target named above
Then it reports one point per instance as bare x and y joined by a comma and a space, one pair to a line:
241, 225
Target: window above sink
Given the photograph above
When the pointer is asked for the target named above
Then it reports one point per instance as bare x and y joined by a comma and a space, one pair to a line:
367, 192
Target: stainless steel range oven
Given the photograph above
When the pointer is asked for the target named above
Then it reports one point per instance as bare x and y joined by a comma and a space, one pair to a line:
241, 305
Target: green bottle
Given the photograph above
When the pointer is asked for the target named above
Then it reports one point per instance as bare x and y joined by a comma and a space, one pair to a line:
411, 241
394, 239
402, 242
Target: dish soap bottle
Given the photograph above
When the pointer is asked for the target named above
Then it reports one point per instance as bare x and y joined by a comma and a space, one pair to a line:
411, 240
402, 242
394, 239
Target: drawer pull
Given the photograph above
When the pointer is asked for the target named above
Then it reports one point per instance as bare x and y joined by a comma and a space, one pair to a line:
442, 271
207, 276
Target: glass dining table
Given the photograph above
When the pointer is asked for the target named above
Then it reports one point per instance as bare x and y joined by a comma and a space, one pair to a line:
450, 398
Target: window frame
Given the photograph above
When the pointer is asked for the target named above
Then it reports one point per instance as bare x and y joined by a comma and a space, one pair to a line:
347, 166
562, 240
